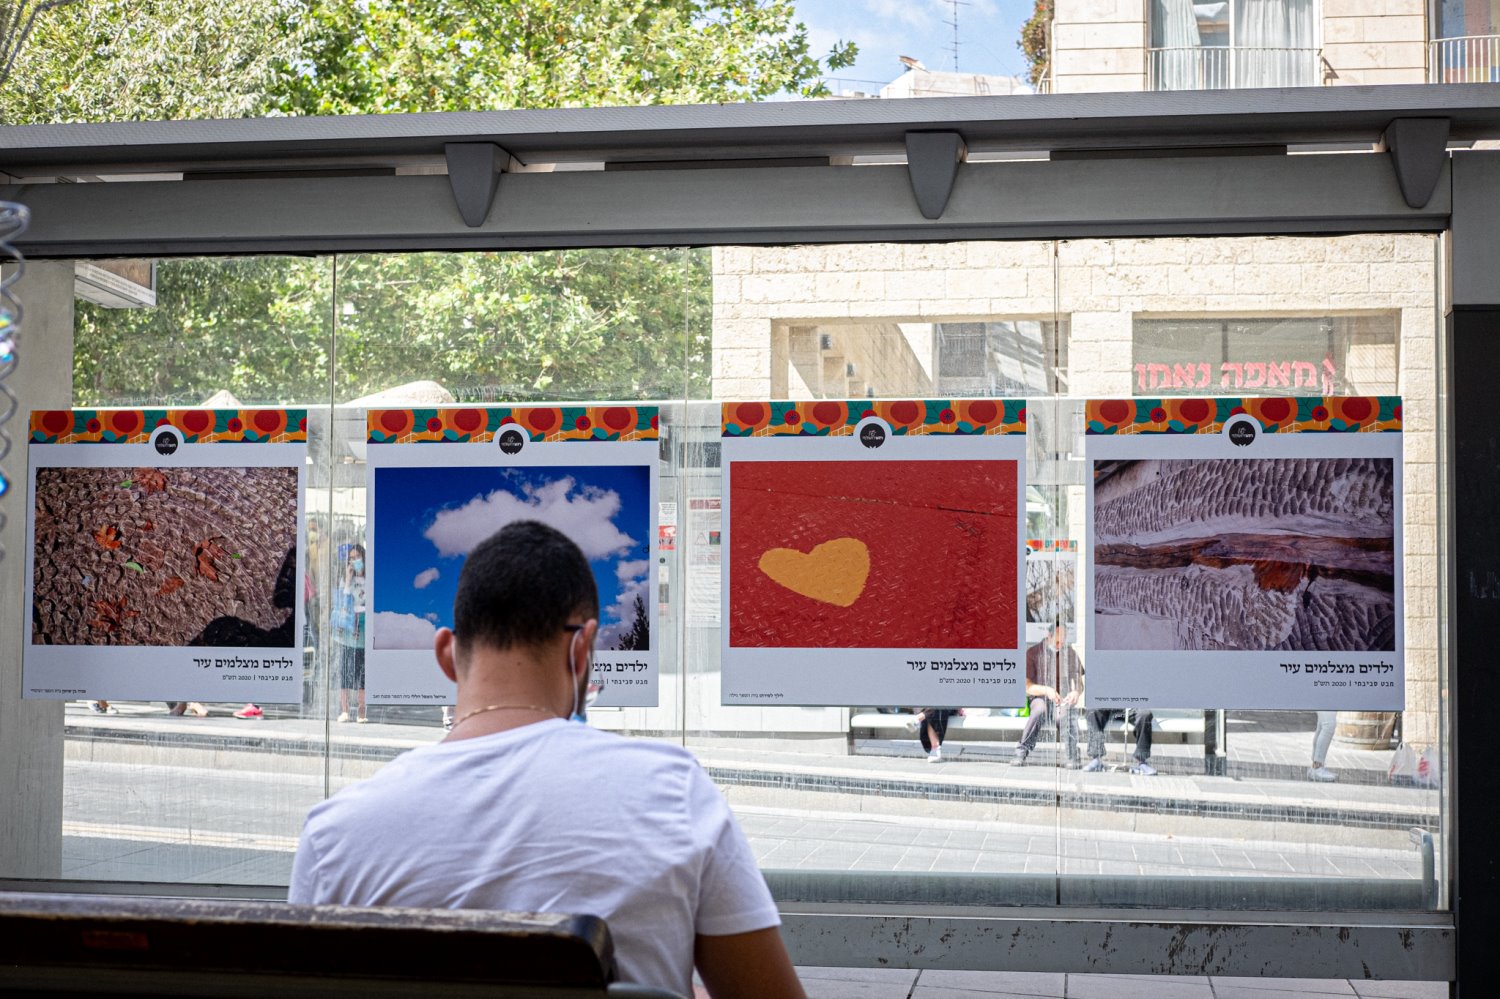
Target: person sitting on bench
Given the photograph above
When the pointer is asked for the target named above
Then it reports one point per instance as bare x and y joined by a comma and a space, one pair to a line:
520, 808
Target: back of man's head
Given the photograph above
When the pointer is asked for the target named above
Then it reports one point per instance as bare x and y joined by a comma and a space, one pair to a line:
520, 586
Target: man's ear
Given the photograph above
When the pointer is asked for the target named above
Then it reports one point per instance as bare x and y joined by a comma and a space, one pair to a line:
583, 651
443, 649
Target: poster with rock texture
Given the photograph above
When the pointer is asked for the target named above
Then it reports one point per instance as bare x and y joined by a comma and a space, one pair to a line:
442, 480
873, 552
162, 557
1245, 553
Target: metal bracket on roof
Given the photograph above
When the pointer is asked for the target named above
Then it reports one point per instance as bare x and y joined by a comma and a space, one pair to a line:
932, 160
474, 170
1418, 148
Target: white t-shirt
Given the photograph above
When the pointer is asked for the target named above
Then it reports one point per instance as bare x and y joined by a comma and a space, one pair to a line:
550, 817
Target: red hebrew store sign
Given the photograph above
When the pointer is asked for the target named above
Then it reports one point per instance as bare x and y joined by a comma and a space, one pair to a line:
1236, 375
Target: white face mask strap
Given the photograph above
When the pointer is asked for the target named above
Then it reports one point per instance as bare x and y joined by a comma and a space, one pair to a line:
572, 678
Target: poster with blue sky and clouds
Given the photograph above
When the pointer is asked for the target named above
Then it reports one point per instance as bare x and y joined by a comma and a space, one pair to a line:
431, 501
429, 519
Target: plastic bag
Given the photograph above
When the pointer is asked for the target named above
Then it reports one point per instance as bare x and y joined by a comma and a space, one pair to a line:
1428, 769
1404, 765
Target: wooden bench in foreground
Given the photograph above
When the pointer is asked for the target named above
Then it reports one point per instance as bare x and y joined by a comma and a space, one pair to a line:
77, 945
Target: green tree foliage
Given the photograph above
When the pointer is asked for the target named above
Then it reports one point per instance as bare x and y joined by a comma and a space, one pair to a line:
118, 60
490, 327
604, 324
390, 55
114, 60
1035, 41
626, 324
260, 327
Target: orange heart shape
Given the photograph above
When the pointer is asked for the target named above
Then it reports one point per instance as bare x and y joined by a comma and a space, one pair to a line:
833, 572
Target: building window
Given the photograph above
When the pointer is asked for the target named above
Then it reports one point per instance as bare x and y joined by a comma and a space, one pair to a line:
1321, 355
1466, 48
1008, 358
1227, 44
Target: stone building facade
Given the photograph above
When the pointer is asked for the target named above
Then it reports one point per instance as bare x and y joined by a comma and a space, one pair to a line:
1118, 317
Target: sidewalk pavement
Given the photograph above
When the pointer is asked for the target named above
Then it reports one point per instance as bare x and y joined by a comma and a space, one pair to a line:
1265, 782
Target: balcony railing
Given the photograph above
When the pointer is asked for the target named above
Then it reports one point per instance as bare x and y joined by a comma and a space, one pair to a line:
1470, 59
1230, 68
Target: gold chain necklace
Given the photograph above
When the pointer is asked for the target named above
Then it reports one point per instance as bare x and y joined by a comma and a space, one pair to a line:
503, 707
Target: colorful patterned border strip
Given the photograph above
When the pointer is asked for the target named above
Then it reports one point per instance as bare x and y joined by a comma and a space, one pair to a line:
907, 417
1276, 415
480, 424
197, 426
1047, 546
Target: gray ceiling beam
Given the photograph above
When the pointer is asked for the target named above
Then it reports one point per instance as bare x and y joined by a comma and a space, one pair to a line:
783, 129
1020, 200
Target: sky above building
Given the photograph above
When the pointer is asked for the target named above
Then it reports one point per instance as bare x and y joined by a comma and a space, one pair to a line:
885, 30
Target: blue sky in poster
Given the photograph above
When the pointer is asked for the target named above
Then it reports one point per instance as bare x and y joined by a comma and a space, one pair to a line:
427, 519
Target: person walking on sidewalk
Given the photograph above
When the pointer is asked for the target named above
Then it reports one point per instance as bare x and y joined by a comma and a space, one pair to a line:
1322, 740
349, 632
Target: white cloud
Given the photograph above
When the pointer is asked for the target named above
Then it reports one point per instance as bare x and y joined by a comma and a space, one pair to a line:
432, 616
425, 578
631, 568
916, 15
586, 516
390, 630
616, 619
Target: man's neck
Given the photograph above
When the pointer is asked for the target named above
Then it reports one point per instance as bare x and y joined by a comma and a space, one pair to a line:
504, 689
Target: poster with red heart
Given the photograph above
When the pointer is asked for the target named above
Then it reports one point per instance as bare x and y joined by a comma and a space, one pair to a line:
874, 552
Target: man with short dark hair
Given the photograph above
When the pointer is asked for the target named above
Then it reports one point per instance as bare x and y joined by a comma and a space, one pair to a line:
520, 809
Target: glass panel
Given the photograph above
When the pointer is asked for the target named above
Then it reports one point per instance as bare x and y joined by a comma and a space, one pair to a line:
1337, 796
853, 811
152, 792
1458, 18
840, 801
572, 326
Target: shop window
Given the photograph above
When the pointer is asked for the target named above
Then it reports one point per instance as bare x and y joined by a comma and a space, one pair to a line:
1317, 355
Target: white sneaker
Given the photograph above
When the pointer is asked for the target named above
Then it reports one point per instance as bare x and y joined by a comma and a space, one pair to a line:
1321, 774
936, 756
343, 716
1143, 769
1093, 766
